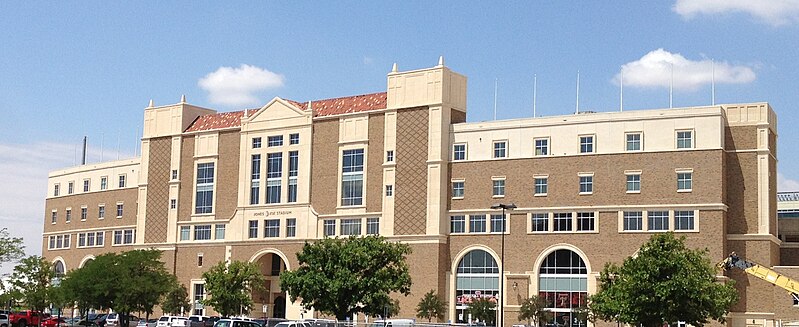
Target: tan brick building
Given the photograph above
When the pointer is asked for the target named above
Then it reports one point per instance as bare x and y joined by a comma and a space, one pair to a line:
589, 188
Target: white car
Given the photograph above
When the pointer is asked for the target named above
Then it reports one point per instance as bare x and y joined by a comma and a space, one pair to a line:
235, 323
3, 320
180, 322
166, 321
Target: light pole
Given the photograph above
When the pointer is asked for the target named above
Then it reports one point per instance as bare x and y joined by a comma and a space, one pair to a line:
503, 206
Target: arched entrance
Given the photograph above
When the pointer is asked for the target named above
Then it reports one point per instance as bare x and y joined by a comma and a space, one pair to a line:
477, 276
563, 282
58, 269
271, 302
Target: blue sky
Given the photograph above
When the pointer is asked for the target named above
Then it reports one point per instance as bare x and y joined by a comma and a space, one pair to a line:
70, 69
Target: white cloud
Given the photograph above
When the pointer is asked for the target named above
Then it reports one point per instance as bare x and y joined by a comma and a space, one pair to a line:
654, 70
772, 12
785, 184
368, 61
239, 86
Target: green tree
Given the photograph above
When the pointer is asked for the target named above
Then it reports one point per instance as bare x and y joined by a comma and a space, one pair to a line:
231, 286
431, 306
665, 283
31, 279
344, 276
483, 309
534, 309
176, 299
11, 248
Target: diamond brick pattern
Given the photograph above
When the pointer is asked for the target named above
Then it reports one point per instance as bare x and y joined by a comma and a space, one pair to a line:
410, 200
158, 190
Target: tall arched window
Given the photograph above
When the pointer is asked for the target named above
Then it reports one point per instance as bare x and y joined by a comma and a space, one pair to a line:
477, 276
563, 282
58, 269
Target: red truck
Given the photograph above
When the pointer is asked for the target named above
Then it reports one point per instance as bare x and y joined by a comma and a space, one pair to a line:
25, 318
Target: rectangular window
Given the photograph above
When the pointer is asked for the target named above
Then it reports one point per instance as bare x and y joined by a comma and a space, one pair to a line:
498, 224
586, 184
685, 139
256, 142
70, 187
500, 149
204, 198
174, 174
459, 152
457, 189
586, 144
87, 183
219, 231
684, 181
541, 185
541, 147
372, 226
255, 179
51, 244
294, 138
56, 189
539, 222
253, 229
390, 156
69, 215
389, 190
633, 220
274, 173
352, 178
84, 213
99, 238
499, 187
104, 182
90, 239
125, 236
120, 210
101, 212
633, 183
54, 217
477, 223
457, 224
276, 140
683, 220
173, 203
272, 228
185, 233
633, 141
202, 232
585, 221
563, 222
294, 167
658, 220
350, 227
291, 227
122, 180
330, 227
81, 239
199, 295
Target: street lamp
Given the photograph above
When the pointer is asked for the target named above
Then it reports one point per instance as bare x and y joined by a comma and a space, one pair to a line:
503, 206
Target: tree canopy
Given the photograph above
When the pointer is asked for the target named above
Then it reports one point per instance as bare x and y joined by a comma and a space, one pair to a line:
11, 248
176, 299
483, 309
431, 306
31, 281
534, 309
344, 276
666, 282
230, 287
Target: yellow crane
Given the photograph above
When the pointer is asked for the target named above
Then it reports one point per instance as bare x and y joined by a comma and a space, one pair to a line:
734, 261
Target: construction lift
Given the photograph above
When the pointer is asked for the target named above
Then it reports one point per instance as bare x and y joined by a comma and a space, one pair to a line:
789, 284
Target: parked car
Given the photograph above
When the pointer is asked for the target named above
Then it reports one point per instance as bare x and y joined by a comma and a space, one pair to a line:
321, 322
166, 321
200, 321
147, 323
25, 318
86, 323
3, 320
236, 322
55, 322
115, 319
181, 322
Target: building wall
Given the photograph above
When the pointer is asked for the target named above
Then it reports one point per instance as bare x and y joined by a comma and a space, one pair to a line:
411, 177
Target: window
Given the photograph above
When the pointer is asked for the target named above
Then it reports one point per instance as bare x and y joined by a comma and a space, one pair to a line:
633, 183
69, 214
173, 203
539, 222
498, 224
541, 147
457, 224
352, 178
104, 182
330, 227
390, 156
586, 184
272, 228
101, 212
54, 217
202, 232
70, 187
120, 210
585, 221
684, 181
563, 222
541, 186
59, 242
253, 230
185, 233
56, 189
372, 226
499, 187
350, 227
457, 189
294, 163
255, 178
389, 190
205, 188
658, 220
81, 239
500, 149
274, 172
124, 236
84, 213
633, 220
294, 138
256, 142
219, 232
199, 295
633, 141
586, 144
122, 180
683, 220
291, 227
276, 140
477, 223
87, 183
174, 174
459, 152
199, 259
685, 139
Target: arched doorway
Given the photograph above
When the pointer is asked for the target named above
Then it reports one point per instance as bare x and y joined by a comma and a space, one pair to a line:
477, 276
271, 302
563, 282
58, 269
280, 307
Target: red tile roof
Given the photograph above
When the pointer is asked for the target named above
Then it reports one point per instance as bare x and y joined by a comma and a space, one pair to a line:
326, 107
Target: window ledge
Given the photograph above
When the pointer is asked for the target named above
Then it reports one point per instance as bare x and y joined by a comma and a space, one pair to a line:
540, 194
685, 191
454, 198
498, 196
634, 192
586, 193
